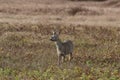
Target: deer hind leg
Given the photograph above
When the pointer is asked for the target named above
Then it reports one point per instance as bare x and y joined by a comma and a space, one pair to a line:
70, 56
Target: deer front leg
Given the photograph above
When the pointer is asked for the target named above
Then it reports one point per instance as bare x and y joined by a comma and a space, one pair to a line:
63, 58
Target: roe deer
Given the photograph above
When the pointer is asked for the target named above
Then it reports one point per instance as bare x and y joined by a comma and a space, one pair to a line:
63, 48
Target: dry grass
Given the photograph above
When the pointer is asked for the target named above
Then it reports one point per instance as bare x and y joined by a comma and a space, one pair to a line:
26, 53
59, 12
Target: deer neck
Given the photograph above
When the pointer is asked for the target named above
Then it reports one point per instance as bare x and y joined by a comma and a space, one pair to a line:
58, 44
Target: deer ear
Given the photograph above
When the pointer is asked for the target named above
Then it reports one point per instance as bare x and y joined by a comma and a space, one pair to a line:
59, 32
54, 31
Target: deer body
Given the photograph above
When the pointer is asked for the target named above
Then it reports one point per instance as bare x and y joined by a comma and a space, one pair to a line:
63, 48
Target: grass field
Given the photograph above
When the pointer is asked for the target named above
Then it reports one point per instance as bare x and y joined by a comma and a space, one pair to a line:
26, 53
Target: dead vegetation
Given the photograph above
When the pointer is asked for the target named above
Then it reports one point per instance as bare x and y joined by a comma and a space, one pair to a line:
48, 10
27, 53
115, 3
31, 49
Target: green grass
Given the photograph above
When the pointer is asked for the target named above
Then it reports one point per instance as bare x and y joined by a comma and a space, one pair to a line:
55, 73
